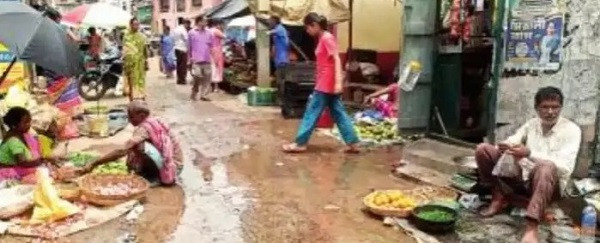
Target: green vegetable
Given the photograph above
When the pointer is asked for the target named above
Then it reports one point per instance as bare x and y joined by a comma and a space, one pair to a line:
436, 215
79, 159
112, 168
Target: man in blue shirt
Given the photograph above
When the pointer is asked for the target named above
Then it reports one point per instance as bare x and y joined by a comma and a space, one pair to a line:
281, 43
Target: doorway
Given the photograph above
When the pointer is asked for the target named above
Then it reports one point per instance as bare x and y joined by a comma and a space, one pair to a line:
462, 70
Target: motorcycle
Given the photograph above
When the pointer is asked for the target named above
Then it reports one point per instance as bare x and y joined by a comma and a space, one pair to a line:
101, 75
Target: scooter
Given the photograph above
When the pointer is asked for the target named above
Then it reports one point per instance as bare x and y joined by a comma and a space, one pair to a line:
99, 78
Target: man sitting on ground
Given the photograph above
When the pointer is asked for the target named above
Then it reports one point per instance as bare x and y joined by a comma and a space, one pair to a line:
544, 150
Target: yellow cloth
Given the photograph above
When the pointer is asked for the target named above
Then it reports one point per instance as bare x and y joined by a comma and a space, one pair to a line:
49, 207
45, 145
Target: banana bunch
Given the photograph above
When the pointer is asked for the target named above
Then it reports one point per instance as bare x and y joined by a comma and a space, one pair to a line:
379, 132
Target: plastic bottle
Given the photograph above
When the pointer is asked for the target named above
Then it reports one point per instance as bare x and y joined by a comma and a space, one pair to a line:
588, 224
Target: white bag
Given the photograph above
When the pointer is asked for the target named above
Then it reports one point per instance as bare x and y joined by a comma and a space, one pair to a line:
506, 167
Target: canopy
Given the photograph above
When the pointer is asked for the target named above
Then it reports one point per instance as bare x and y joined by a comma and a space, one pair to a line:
228, 9
98, 15
291, 12
246, 21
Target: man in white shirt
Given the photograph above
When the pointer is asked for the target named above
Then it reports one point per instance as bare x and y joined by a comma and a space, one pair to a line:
544, 151
180, 35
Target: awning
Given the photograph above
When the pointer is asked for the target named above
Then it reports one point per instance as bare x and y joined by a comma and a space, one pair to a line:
291, 12
228, 9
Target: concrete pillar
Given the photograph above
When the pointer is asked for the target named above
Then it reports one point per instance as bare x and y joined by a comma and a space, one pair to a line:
262, 49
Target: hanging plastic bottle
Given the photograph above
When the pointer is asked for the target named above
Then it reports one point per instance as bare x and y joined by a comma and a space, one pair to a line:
410, 76
588, 224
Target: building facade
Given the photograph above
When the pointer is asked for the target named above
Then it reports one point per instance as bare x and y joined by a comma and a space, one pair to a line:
166, 12
369, 33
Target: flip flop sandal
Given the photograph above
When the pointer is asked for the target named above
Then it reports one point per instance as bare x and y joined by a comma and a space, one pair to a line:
290, 148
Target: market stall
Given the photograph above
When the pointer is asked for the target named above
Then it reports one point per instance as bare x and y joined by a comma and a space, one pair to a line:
59, 201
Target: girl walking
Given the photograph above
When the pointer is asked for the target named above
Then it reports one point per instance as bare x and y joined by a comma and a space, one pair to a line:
327, 92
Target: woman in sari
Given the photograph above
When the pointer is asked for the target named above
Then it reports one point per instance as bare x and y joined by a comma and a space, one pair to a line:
134, 50
152, 152
167, 52
218, 57
20, 151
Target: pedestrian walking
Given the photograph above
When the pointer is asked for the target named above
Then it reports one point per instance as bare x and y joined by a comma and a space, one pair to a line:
95, 43
180, 36
200, 49
167, 52
135, 63
281, 44
327, 92
218, 60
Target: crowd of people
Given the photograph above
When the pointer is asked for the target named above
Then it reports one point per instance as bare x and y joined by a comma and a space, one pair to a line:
195, 48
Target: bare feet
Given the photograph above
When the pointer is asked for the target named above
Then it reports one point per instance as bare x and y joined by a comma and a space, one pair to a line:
293, 148
531, 232
497, 205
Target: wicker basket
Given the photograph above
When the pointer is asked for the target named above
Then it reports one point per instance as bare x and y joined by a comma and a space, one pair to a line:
69, 191
385, 211
89, 183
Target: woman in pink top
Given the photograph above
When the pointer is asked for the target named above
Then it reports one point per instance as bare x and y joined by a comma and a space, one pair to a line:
218, 58
388, 106
328, 88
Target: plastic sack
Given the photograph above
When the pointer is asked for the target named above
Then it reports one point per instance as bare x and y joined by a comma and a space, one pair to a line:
16, 97
506, 167
410, 75
49, 207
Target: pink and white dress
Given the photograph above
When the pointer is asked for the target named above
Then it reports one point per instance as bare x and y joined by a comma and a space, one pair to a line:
218, 60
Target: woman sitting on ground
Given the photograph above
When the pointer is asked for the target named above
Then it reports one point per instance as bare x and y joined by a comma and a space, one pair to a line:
388, 106
152, 151
20, 151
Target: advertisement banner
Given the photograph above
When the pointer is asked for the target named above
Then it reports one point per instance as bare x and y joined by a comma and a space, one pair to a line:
534, 41
17, 74
144, 14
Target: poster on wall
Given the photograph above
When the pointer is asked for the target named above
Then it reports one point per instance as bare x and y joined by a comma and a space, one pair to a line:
17, 73
534, 39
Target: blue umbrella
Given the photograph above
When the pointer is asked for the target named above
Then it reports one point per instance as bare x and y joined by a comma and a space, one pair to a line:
35, 38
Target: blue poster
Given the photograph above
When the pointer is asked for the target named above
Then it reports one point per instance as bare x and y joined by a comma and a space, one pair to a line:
534, 41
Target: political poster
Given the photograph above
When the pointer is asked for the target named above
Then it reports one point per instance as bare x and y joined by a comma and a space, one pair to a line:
534, 41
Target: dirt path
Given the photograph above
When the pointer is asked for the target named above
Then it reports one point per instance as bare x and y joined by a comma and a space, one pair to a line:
238, 187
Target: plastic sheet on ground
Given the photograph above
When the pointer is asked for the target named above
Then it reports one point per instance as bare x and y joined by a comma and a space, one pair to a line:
90, 217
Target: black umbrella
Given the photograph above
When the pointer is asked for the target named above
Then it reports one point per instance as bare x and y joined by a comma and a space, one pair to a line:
37, 39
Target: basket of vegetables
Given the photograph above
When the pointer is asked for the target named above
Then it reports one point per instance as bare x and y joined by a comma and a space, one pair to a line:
110, 190
436, 219
394, 203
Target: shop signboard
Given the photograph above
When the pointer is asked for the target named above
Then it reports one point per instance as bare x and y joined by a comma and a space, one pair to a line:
534, 38
17, 73
144, 14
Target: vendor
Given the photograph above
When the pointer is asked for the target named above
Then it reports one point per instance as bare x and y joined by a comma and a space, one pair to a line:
20, 151
152, 151
545, 149
388, 106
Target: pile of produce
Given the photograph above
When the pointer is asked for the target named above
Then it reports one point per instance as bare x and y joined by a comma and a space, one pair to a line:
80, 159
115, 189
111, 168
391, 200
436, 215
378, 132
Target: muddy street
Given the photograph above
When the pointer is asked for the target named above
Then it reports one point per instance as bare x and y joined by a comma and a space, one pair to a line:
239, 187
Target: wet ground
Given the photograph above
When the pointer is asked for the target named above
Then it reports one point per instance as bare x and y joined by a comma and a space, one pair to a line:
239, 187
